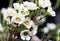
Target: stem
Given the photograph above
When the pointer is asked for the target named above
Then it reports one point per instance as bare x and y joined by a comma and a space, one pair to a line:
37, 13
8, 36
42, 18
58, 36
10, 3
43, 37
37, 1
19, 1
44, 15
47, 38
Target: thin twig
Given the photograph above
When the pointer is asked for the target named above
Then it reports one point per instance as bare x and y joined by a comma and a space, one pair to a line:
10, 3
43, 37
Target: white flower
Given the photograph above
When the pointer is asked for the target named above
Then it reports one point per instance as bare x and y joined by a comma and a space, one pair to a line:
21, 6
16, 5
50, 10
46, 29
4, 11
34, 26
21, 9
28, 23
42, 20
11, 11
51, 26
53, 13
25, 35
7, 18
33, 30
5, 14
24, 11
44, 3
1, 28
17, 18
15, 24
8, 13
30, 5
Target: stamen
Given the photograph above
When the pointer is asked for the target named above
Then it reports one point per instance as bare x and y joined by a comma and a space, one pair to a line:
25, 33
18, 19
26, 22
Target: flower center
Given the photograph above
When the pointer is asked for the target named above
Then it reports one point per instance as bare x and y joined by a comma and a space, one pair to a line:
15, 23
26, 22
22, 12
18, 19
25, 33
31, 29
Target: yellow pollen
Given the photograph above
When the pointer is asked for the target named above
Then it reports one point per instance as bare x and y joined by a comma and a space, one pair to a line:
22, 12
18, 19
25, 33
26, 22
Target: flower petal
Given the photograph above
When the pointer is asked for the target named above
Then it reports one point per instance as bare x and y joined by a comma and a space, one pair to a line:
22, 37
27, 38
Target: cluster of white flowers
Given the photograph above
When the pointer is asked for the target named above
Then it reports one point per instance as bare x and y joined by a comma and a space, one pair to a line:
20, 13
44, 3
30, 5
49, 26
47, 3
26, 34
